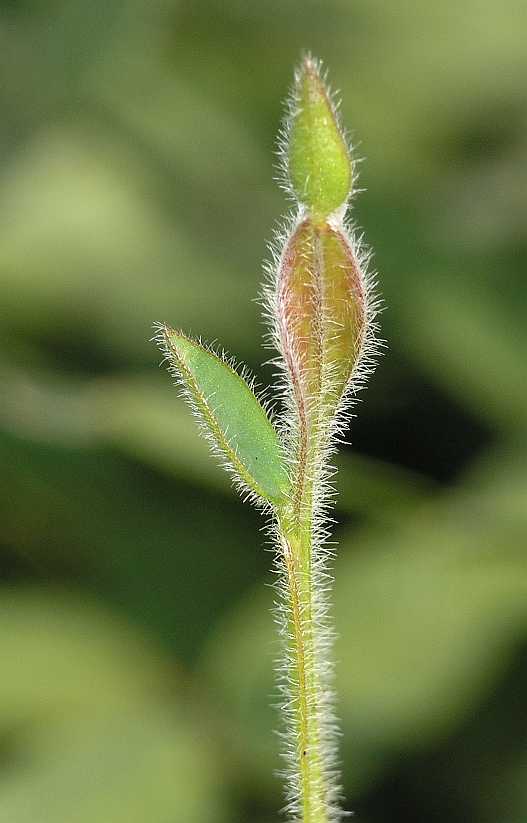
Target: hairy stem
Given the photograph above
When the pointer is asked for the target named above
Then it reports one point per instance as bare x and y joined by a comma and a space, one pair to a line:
304, 685
306, 688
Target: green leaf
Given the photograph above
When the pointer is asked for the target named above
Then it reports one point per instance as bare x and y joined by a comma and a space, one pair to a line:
232, 417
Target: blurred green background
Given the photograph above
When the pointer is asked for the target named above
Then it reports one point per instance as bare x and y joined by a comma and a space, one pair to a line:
136, 645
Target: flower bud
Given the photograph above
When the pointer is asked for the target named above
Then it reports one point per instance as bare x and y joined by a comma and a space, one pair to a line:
321, 307
318, 157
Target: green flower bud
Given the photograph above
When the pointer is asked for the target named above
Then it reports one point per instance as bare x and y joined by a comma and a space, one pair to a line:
319, 162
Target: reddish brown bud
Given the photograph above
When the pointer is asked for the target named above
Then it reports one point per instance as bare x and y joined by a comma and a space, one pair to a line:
321, 306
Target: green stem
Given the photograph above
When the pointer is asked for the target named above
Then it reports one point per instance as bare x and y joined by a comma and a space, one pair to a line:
296, 528
304, 681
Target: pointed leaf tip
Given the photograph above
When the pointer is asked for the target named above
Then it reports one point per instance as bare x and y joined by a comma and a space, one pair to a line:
231, 415
318, 157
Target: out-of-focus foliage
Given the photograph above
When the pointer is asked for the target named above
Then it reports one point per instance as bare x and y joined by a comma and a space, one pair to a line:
136, 185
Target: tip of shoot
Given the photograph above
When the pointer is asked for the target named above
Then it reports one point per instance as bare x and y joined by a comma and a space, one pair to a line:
318, 157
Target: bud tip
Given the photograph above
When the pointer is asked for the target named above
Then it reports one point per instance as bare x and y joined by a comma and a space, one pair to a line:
318, 155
